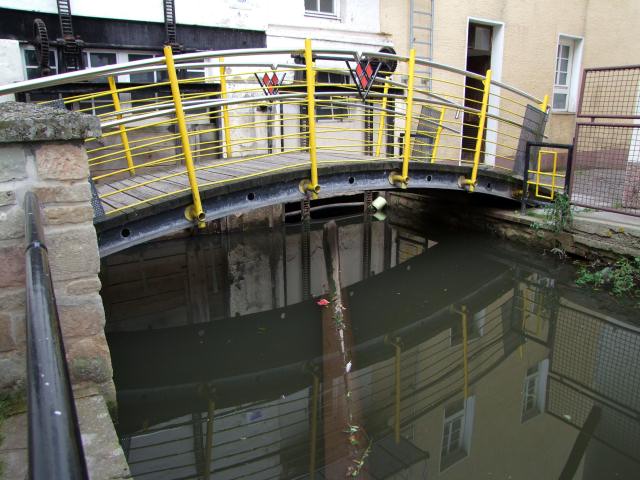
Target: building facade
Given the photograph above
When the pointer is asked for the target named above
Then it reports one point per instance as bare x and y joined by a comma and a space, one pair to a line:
541, 47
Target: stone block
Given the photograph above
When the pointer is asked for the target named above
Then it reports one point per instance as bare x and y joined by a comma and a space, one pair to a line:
12, 261
12, 370
83, 286
60, 214
73, 251
61, 161
7, 197
13, 163
7, 342
12, 299
28, 122
83, 318
74, 192
88, 359
11, 222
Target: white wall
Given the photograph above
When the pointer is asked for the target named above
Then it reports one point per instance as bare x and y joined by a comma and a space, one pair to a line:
11, 69
225, 13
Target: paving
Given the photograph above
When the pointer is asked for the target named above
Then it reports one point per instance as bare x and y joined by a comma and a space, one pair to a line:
104, 456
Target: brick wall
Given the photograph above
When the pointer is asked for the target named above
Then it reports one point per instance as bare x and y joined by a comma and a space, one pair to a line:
42, 149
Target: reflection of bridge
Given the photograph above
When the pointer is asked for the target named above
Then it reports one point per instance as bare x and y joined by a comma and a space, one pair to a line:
180, 148
263, 412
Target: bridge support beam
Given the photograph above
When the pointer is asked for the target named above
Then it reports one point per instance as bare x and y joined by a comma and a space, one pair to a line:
42, 150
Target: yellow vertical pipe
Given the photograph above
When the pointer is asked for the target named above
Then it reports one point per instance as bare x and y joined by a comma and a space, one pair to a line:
408, 116
225, 110
397, 402
123, 131
314, 427
195, 212
483, 119
209, 444
436, 142
465, 352
545, 103
383, 117
311, 115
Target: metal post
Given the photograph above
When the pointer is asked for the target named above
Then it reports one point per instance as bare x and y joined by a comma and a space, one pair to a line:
525, 180
465, 351
225, 110
209, 445
123, 130
311, 185
314, 426
396, 426
383, 118
483, 118
403, 178
545, 104
195, 212
436, 142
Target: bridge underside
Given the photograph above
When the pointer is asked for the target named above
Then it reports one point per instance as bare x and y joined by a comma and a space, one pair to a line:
274, 185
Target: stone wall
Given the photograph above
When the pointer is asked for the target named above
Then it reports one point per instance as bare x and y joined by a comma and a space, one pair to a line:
42, 149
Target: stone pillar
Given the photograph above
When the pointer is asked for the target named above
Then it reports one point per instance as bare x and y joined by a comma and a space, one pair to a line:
42, 149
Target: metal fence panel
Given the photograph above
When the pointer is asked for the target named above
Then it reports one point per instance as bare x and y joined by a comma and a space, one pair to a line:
606, 168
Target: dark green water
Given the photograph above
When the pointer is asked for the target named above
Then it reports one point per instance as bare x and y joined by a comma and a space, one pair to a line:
506, 369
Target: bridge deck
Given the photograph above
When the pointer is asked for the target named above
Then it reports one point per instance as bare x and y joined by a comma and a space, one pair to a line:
152, 188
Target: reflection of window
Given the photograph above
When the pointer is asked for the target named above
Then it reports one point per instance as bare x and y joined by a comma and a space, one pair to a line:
566, 71
475, 327
31, 63
321, 7
456, 432
533, 390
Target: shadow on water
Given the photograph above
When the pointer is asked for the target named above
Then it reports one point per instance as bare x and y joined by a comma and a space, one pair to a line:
467, 359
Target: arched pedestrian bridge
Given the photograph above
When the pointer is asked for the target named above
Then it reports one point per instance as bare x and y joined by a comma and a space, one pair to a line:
198, 136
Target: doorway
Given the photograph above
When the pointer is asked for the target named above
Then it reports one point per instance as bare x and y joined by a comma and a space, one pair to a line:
478, 61
484, 52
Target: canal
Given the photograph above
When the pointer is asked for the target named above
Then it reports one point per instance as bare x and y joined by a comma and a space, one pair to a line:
445, 355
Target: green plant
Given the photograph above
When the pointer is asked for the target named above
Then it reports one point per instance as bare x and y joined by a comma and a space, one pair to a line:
558, 214
621, 277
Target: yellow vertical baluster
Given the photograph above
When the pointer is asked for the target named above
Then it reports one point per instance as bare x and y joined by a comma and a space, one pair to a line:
481, 124
312, 185
195, 212
225, 110
383, 117
123, 130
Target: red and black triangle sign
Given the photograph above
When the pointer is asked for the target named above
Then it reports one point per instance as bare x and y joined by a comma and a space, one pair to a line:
270, 82
364, 74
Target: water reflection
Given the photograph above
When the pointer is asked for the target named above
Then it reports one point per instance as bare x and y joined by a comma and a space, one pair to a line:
465, 361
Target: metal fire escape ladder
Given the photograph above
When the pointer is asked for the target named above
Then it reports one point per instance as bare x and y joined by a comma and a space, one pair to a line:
170, 26
421, 33
71, 46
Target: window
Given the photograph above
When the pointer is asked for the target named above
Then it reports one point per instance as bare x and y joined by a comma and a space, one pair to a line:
32, 69
321, 7
334, 108
567, 71
456, 432
533, 390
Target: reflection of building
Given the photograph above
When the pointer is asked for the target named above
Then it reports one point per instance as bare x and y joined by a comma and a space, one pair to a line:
481, 388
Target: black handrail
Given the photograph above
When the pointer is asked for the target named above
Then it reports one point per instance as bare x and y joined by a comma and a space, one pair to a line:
55, 447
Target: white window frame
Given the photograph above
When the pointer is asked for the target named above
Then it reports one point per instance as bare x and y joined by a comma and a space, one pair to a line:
570, 89
318, 13
463, 443
26, 67
534, 387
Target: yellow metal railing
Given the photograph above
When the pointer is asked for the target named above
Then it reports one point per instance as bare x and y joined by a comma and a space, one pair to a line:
206, 121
